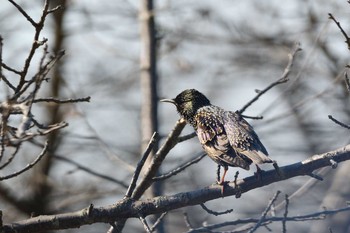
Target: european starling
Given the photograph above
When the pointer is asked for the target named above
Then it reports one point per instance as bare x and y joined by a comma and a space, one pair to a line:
225, 136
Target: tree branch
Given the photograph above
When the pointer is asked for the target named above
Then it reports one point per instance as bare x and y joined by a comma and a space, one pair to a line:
129, 208
282, 79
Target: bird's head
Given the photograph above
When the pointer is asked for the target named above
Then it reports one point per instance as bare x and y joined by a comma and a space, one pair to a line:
188, 102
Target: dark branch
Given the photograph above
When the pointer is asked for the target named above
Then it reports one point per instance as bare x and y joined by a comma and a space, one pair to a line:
209, 211
140, 164
282, 79
299, 218
58, 101
263, 215
338, 122
186, 137
29, 166
24, 13
347, 39
129, 208
180, 168
158, 159
347, 82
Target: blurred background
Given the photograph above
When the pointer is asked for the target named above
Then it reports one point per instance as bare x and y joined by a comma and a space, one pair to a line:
226, 49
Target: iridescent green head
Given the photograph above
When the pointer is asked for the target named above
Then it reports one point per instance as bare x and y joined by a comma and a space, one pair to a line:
188, 102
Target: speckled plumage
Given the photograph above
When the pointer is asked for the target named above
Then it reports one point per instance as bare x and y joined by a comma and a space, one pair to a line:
226, 137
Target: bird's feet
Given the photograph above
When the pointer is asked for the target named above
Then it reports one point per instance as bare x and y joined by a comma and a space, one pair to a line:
223, 184
258, 173
277, 169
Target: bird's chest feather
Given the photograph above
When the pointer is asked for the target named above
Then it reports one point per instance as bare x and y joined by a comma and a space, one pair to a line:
208, 126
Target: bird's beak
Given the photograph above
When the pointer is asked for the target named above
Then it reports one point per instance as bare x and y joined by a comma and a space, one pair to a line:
168, 101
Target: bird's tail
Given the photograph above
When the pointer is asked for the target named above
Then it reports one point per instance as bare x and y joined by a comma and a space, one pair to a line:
258, 157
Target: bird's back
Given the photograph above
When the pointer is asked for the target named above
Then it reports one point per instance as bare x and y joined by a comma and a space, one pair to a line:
243, 138
209, 125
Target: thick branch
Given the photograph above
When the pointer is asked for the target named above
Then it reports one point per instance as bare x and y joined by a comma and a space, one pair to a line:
128, 208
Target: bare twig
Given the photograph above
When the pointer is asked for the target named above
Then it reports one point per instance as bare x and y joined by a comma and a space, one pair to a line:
315, 176
347, 39
10, 69
284, 227
140, 164
58, 101
186, 137
145, 224
29, 166
187, 221
36, 42
29, 136
263, 215
38, 78
338, 122
347, 82
209, 211
24, 13
299, 218
11, 157
180, 168
158, 221
158, 158
282, 79
253, 117
59, 7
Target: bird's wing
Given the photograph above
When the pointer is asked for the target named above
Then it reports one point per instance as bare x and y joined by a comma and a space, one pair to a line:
243, 138
208, 126
211, 134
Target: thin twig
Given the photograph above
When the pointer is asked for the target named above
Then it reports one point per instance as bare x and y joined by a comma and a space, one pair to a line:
347, 39
36, 42
209, 211
24, 13
186, 137
338, 122
145, 224
347, 82
156, 223
58, 101
187, 221
59, 7
284, 227
140, 164
253, 117
263, 215
29, 136
29, 166
282, 79
179, 169
158, 159
299, 218
11, 157
11, 69
315, 176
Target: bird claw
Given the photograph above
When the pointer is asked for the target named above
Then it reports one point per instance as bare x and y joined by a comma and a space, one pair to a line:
277, 169
258, 173
223, 184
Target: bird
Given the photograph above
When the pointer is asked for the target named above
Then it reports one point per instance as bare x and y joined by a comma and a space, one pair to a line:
227, 138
